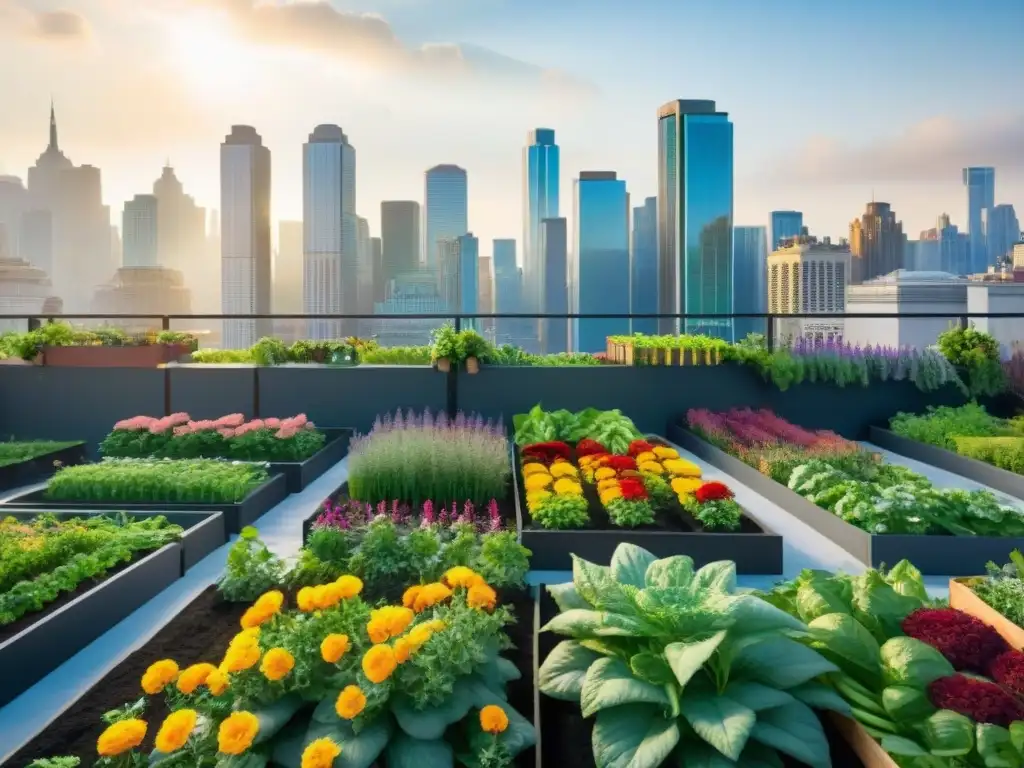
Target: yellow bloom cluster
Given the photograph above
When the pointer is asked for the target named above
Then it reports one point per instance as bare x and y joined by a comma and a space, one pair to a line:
333, 647
193, 677
387, 622
276, 664
405, 647
541, 482
351, 702
237, 732
684, 476
243, 652
320, 753
121, 737
158, 676
327, 596
176, 728
266, 606
493, 719
424, 596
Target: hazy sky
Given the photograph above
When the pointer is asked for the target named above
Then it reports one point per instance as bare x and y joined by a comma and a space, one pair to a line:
833, 101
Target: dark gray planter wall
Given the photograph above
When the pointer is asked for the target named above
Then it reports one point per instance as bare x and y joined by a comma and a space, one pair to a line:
206, 392
49, 403
349, 397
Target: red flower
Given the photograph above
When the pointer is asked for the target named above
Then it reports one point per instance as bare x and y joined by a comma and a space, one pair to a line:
639, 446
588, 447
632, 488
969, 643
1008, 670
619, 463
713, 491
980, 700
547, 452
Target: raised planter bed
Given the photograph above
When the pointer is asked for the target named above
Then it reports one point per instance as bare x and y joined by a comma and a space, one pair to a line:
40, 468
628, 354
963, 598
129, 356
755, 548
978, 471
236, 516
299, 474
932, 555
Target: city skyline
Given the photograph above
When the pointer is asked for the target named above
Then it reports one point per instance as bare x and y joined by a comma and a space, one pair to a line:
908, 152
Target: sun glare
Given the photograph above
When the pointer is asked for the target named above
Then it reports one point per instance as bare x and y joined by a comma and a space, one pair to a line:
213, 61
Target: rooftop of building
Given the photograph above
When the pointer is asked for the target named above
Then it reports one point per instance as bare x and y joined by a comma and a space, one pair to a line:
907, 276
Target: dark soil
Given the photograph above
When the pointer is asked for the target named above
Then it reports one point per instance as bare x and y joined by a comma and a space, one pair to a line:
201, 632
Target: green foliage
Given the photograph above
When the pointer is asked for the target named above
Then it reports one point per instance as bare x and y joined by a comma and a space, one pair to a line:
60, 334
197, 481
1003, 452
1003, 588
15, 452
222, 356
611, 429
718, 515
269, 351
251, 569
677, 666
941, 426
977, 355
456, 346
508, 355
502, 561
630, 513
397, 356
562, 512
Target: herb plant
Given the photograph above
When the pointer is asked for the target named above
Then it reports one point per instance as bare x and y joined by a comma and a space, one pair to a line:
1003, 588
251, 569
15, 452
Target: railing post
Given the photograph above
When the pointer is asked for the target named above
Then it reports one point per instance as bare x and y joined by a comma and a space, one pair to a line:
769, 331
165, 323
453, 378
964, 321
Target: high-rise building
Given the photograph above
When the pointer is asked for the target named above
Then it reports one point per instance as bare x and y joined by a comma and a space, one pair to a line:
447, 210
695, 208
460, 275
808, 276
599, 263
286, 293
785, 225
245, 235
876, 243
1003, 232
644, 267
400, 238
331, 276
554, 248
364, 259
13, 203
540, 201
751, 283
24, 289
981, 194
485, 301
377, 257
139, 222
507, 291
181, 234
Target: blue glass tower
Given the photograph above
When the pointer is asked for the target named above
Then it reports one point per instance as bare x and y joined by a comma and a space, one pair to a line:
644, 268
469, 278
785, 224
695, 208
751, 289
540, 201
599, 264
981, 193
507, 290
447, 211
554, 237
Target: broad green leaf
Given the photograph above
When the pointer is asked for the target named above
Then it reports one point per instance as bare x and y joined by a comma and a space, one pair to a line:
253, 759
905, 704
274, 717
719, 576
431, 723
651, 667
906, 661
597, 585
820, 597
507, 670
563, 671
675, 571
702, 755
779, 662
686, 659
1017, 735
847, 644
756, 696
520, 733
325, 711
759, 756
795, 730
898, 745
752, 614
630, 563
821, 697
949, 734
995, 746
580, 622
287, 746
610, 683
566, 597
723, 723
879, 607
907, 580
358, 750
403, 751
633, 736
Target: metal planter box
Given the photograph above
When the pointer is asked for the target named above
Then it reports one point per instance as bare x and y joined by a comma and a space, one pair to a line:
299, 474
40, 468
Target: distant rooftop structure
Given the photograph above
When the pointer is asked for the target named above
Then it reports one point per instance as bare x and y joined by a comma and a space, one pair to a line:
906, 276
805, 241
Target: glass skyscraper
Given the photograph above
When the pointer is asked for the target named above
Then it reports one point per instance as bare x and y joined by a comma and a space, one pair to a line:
981, 194
751, 276
554, 245
507, 290
695, 206
447, 210
540, 201
599, 263
460, 275
644, 268
785, 224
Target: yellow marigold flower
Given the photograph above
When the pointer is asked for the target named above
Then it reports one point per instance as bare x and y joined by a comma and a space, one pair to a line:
645, 456
333, 647
158, 676
431, 595
306, 599
682, 468
537, 481
377, 631
536, 498
351, 702
664, 452
194, 676
604, 473
121, 737
320, 753
350, 586
378, 663
482, 596
563, 469
534, 468
327, 596
608, 482
276, 664
567, 487
236, 732
217, 682
419, 635
684, 498
240, 658
176, 728
392, 620
435, 625
271, 601
685, 485
461, 576
493, 719
403, 650
651, 467
410, 595
610, 494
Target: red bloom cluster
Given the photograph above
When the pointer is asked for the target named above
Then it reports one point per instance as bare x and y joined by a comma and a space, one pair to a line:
980, 700
632, 488
639, 446
619, 463
968, 643
588, 447
547, 452
713, 491
1007, 669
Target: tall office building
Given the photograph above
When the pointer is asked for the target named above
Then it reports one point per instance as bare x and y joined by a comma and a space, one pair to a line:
808, 276
400, 238
331, 277
540, 201
599, 263
785, 225
181, 241
460, 276
876, 243
751, 273
507, 291
485, 300
245, 235
554, 248
377, 257
1002, 232
447, 210
644, 267
981, 194
139, 222
695, 208
13, 202
364, 260
286, 292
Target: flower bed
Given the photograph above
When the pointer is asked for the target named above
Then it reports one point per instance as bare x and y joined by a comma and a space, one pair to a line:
877, 511
28, 462
921, 679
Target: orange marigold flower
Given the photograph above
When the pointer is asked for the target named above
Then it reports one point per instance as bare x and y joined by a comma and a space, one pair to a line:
277, 663
328, 596
240, 658
333, 647
482, 596
320, 753
378, 663
237, 732
217, 682
418, 636
409, 596
350, 586
377, 631
159, 675
403, 650
306, 599
431, 595
121, 737
176, 728
461, 576
351, 702
194, 676
435, 625
604, 473
537, 481
493, 719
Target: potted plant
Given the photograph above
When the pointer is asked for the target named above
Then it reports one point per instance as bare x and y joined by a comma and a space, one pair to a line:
474, 348
445, 348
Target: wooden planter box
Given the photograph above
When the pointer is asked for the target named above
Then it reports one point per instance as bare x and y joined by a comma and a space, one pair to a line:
140, 356
868, 750
962, 598
627, 354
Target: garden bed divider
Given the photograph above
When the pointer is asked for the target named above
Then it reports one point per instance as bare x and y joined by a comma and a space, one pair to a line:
868, 750
979, 471
299, 474
40, 468
963, 598
41, 647
932, 555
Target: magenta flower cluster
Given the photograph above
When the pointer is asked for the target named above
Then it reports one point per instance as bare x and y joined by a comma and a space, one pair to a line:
348, 513
748, 428
232, 425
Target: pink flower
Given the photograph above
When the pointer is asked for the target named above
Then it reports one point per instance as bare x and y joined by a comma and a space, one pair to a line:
135, 423
231, 421
300, 420
285, 434
184, 429
226, 433
177, 419
272, 423
256, 424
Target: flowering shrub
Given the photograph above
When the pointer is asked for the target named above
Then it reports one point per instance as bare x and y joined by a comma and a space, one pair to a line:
178, 436
554, 493
414, 458
395, 683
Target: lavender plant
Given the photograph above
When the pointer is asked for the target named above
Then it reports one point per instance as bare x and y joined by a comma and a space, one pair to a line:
415, 458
